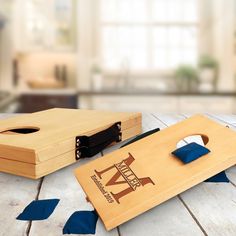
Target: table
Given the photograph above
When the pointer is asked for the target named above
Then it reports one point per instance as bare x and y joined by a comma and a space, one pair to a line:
206, 209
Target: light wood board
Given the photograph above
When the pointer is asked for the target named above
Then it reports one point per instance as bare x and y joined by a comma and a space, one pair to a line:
153, 160
52, 147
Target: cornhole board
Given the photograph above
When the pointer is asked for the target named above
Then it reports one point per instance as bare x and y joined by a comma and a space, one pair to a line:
138, 177
34, 145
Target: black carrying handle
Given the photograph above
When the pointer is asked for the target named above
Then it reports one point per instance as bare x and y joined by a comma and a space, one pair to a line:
141, 136
88, 146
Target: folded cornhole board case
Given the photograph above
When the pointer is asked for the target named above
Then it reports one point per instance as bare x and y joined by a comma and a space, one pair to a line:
34, 145
139, 176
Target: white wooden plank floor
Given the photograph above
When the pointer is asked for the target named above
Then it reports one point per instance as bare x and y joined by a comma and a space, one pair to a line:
206, 209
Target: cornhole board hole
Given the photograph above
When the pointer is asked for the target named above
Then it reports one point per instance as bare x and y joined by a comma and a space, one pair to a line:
138, 177
34, 145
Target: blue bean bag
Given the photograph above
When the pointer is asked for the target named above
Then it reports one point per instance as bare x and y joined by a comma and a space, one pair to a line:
81, 222
219, 178
190, 152
38, 210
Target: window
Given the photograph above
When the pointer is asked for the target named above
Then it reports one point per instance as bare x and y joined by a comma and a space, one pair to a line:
148, 35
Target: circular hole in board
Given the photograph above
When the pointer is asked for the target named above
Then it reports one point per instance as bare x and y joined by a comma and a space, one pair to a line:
200, 139
20, 130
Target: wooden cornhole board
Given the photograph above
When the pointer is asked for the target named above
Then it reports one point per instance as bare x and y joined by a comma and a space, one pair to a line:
137, 177
53, 144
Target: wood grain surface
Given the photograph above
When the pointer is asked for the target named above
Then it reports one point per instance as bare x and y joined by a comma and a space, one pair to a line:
52, 146
207, 209
136, 178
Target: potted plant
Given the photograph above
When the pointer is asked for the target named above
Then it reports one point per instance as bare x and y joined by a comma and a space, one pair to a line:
208, 68
97, 77
186, 78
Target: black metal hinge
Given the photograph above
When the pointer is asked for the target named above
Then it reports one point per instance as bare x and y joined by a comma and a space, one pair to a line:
88, 146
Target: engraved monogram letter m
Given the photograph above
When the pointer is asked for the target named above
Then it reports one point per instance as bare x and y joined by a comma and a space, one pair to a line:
133, 184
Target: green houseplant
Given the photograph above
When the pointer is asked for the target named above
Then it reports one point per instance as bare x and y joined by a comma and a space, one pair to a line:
186, 78
208, 70
207, 61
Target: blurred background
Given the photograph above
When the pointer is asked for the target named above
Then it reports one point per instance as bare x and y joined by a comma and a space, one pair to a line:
170, 56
